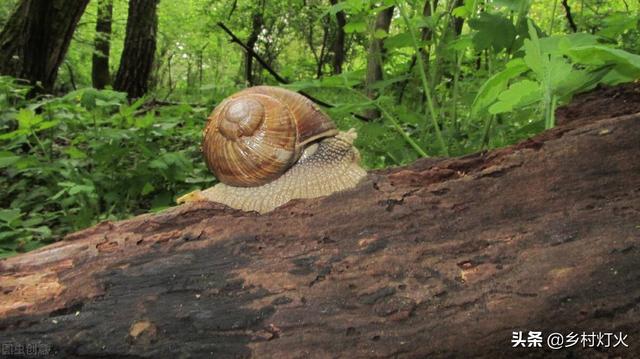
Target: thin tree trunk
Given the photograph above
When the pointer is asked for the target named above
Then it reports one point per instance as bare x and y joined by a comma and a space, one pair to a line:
100, 69
426, 35
339, 40
323, 50
321, 57
36, 38
458, 22
375, 57
139, 48
567, 10
256, 27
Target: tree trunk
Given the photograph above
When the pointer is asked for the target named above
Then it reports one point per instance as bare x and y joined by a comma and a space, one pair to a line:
458, 22
444, 258
338, 42
375, 57
256, 27
569, 16
36, 38
139, 48
100, 70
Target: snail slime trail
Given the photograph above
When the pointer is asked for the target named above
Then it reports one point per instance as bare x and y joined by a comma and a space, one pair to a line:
268, 146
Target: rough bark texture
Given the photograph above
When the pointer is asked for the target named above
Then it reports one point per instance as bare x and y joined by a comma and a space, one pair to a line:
100, 62
36, 38
375, 56
137, 58
440, 259
338, 42
256, 28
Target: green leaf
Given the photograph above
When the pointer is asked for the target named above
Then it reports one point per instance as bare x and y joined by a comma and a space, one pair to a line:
599, 55
81, 189
617, 24
492, 88
13, 134
75, 153
513, 5
27, 119
560, 44
145, 122
9, 215
43, 231
519, 94
47, 124
7, 159
88, 98
560, 70
398, 41
380, 34
352, 27
493, 31
461, 12
148, 188
462, 43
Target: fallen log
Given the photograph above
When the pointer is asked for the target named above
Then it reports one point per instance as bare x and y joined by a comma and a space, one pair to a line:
442, 258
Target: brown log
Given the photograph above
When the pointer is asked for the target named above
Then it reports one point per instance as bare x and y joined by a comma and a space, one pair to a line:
442, 258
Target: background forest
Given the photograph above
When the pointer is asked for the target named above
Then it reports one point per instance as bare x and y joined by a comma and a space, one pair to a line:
102, 105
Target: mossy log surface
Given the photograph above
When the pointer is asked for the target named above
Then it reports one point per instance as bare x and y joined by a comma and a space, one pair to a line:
443, 258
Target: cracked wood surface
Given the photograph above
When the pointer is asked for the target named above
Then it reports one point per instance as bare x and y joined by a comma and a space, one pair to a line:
442, 258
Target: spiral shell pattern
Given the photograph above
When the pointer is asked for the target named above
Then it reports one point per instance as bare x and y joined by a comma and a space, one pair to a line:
254, 136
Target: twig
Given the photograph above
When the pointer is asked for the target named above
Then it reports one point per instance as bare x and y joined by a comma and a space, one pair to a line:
72, 77
277, 76
567, 10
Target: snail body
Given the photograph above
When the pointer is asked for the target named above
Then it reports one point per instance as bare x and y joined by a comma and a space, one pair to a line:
268, 146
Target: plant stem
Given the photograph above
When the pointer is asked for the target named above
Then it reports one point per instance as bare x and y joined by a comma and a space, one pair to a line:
553, 16
404, 134
41, 145
485, 132
454, 91
423, 78
393, 121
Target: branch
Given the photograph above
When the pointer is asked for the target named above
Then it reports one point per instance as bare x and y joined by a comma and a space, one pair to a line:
277, 76
567, 10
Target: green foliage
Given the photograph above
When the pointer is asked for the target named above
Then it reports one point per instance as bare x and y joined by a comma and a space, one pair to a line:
69, 162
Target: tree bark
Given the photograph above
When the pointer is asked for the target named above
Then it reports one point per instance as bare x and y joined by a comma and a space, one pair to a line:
256, 27
443, 258
339, 40
138, 55
100, 70
375, 57
36, 38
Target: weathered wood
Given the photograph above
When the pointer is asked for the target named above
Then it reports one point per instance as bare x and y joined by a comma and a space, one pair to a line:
443, 258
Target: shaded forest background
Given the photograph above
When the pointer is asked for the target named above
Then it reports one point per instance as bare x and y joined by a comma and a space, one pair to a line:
102, 102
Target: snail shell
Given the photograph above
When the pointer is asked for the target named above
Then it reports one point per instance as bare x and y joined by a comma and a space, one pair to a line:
254, 136
268, 146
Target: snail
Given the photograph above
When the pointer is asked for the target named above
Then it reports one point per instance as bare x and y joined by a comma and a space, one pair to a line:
268, 145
